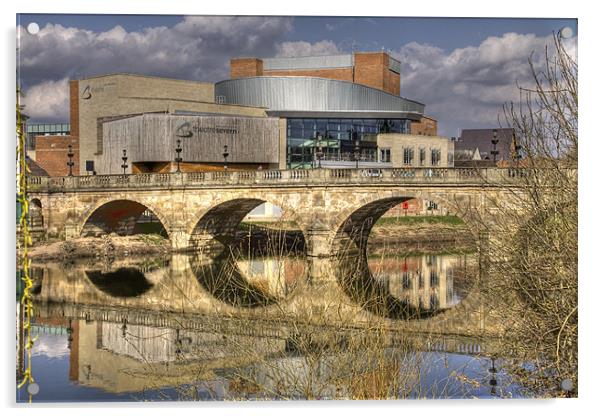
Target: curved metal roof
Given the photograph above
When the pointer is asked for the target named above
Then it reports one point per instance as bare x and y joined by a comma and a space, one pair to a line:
288, 94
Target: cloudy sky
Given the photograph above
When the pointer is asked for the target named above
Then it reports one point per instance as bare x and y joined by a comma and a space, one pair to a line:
462, 69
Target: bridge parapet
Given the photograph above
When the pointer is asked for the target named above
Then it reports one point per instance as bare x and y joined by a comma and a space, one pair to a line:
315, 177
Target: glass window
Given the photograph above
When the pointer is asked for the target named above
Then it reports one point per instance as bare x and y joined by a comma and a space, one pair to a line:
435, 157
408, 155
422, 156
385, 155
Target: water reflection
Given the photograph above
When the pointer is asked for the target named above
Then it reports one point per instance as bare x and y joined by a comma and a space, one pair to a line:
405, 286
134, 335
249, 282
124, 282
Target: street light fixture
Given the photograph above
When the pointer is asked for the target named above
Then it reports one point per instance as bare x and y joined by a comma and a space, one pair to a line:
319, 153
225, 155
70, 163
494, 141
517, 149
356, 152
124, 166
178, 151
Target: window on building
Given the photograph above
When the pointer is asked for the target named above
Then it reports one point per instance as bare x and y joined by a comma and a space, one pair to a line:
422, 156
408, 156
385, 155
435, 157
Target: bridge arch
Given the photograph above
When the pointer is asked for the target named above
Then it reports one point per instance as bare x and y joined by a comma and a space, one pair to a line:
220, 221
353, 225
117, 215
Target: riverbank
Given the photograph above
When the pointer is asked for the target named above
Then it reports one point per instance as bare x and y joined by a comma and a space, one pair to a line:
387, 233
109, 246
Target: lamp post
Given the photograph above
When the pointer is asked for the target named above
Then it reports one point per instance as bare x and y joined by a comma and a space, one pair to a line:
178, 151
356, 152
517, 149
494, 141
70, 163
225, 155
493, 381
319, 153
124, 166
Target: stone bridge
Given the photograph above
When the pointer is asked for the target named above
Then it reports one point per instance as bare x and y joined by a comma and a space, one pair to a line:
330, 206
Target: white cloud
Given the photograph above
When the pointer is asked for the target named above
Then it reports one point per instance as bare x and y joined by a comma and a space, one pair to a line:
197, 48
467, 87
48, 100
302, 48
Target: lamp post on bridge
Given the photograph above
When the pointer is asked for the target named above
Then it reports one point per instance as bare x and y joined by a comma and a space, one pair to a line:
178, 151
225, 155
356, 152
319, 152
70, 163
124, 166
494, 141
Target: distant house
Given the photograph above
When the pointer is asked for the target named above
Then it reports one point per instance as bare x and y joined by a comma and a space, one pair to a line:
474, 147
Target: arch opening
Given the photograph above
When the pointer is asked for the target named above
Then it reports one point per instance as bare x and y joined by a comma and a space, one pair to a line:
123, 217
36, 218
256, 253
253, 224
404, 258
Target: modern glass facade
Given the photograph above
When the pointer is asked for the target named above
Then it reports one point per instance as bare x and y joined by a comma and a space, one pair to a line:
44, 129
338, 138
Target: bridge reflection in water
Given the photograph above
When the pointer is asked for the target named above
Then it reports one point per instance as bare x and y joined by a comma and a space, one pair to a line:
263, 326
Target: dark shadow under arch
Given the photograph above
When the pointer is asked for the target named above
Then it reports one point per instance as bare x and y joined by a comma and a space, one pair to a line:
121, 217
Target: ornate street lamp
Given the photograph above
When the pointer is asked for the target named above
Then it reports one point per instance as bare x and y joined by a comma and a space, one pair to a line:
356, 152
517, 149
493, 381
319, 152
124, 166
70, 163
225, 155
178, 151
494, 141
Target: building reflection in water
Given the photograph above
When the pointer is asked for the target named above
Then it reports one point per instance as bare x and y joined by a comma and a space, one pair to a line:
249, 282
405, 287
424, 281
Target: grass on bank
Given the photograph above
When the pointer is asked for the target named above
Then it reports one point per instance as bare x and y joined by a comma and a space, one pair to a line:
420, 219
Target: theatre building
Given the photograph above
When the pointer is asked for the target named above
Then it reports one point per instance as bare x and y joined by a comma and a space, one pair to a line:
275, 113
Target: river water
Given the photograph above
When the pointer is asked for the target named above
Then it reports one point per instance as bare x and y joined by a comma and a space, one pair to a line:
248, 325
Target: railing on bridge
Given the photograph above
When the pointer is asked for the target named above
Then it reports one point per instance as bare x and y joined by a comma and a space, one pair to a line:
317, 177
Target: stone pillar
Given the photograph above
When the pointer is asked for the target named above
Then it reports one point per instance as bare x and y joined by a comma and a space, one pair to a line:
179, 238
318, 244
70, 231
320, 269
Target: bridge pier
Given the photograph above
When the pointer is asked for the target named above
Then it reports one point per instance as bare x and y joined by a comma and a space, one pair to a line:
179, 239
318, 243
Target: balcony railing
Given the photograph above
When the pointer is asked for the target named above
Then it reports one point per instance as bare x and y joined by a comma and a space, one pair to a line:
317, 177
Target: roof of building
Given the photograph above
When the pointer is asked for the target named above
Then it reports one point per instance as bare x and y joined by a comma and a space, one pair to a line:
293, 94
142, 76
34, 168
472, 139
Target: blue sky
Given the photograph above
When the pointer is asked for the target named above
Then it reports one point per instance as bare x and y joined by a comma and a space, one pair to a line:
463, 69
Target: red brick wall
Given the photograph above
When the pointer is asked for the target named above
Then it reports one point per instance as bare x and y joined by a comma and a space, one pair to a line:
74, 107
426, 127
372, 69
245, 67
51, 154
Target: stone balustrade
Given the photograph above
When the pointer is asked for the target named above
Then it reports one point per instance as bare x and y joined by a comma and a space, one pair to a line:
262, 178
